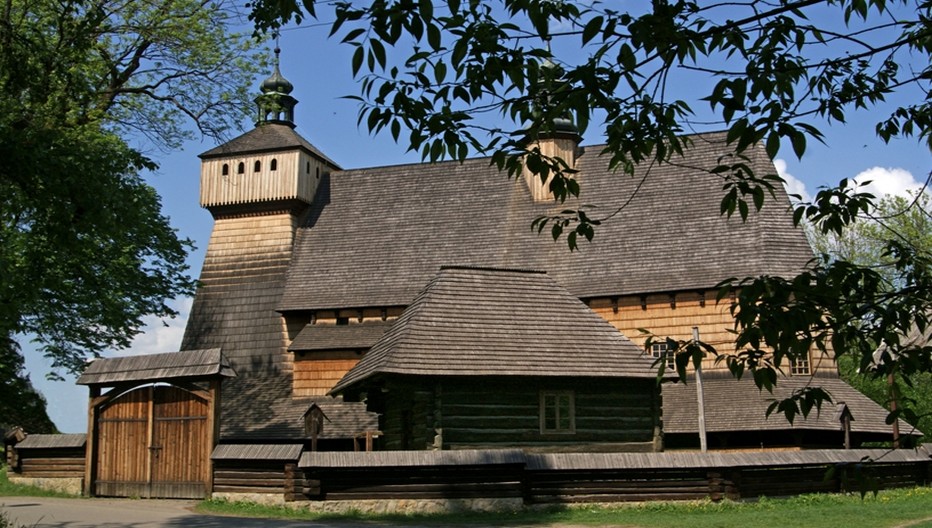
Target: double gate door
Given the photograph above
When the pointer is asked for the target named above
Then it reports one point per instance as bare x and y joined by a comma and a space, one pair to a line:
152, 442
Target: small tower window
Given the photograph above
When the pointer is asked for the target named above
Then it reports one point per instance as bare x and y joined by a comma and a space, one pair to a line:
318, 173
241, 168
273, 165
225, 171
308, 168
257, 166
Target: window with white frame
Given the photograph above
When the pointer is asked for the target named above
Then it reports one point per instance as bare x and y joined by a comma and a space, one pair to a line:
800, 366
659, 350
557, 412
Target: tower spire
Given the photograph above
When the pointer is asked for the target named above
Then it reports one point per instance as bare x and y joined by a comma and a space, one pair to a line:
275, 103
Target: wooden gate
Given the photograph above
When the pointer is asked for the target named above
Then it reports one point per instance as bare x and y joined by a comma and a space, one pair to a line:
153, 442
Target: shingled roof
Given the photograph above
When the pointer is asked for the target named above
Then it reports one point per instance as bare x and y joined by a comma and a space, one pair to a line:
479, 321
387, 230
269, 137
723, 412
53, 441
260, 407
339, 337
157, 367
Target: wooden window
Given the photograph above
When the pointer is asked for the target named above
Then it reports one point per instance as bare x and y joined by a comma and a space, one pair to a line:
557, 412
307, 168
800, 366
257, 166
225, 171
273, 165
658, 350
241, 168
342, 321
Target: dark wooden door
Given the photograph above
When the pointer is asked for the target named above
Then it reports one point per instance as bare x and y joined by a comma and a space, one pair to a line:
152, 442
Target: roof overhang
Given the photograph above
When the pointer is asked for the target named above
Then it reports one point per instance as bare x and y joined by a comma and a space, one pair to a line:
190, 365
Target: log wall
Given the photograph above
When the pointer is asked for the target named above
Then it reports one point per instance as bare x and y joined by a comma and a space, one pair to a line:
430, 482
617, 415
585, 478
259, 477
51, 463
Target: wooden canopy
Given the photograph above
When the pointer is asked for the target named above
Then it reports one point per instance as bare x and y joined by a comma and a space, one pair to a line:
188, 364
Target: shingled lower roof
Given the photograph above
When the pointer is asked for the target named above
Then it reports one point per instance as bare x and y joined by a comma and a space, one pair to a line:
157, 367
339, 337
53, 441
378, 235
261, 408
490, 322
262, 452
737, 405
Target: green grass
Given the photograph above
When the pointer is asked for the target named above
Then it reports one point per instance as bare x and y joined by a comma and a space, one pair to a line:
9, 489
888, 509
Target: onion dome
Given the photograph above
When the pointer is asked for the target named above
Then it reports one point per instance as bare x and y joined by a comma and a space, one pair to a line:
275, 104
276, 83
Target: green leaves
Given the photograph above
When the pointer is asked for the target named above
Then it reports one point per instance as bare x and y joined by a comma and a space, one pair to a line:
85, 251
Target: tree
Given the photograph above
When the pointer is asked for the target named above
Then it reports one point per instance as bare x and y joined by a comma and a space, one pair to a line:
905, 218
20, 404
85, 252
432, 74
863, 243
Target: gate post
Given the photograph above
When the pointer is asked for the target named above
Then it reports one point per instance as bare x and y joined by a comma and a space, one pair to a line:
90, 459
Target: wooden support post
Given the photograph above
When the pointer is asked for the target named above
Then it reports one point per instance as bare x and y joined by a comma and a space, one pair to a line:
90, 457
700, 399
213, 429
290, 490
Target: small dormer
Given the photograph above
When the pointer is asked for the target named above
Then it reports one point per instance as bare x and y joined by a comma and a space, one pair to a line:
269, 168
557, 137
562, 142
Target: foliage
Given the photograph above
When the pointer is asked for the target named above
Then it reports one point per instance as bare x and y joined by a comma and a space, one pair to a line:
85, 252
20, 404
903, 218
442, 77
888, 508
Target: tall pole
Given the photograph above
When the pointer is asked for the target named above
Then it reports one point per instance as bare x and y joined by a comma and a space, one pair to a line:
891, 386
703, 445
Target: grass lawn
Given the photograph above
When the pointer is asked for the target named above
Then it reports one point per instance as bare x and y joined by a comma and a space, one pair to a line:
896, 508
911, 507
8, 489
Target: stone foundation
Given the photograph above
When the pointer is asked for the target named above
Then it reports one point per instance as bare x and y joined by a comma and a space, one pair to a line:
411, 506
70, 486
266, 499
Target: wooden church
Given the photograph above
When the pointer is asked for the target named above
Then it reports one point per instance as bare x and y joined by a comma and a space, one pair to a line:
413, 307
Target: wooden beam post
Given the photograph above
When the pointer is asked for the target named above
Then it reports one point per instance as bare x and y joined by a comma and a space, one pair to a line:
213, 429
90, 457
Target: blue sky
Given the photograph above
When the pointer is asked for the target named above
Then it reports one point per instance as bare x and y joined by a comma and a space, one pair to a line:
320, 70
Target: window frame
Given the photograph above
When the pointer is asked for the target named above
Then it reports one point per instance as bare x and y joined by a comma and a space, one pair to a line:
659, 349
801, 366
555, 406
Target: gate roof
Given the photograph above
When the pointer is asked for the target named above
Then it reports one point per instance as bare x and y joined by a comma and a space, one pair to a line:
188, 364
